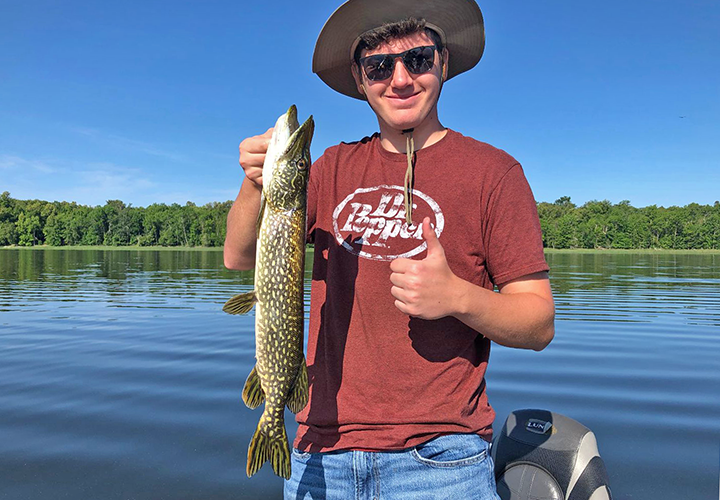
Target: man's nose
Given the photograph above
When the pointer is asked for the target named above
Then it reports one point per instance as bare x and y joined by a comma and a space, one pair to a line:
401, 76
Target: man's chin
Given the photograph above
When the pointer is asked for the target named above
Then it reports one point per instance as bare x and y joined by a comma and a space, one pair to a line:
404, 123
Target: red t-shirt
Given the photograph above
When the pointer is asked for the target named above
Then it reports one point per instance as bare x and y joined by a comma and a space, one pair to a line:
379, 379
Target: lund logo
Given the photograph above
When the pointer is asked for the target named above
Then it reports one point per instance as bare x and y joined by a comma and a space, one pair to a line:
374, 218
538, 426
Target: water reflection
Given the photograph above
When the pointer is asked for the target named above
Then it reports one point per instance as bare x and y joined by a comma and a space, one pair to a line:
632, 288
120, 376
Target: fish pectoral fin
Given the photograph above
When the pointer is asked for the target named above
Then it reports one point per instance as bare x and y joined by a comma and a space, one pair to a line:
299, 395
241, 303
258, 223
253, 394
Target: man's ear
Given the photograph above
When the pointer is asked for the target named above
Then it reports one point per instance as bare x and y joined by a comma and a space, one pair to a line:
445, 62
357, 78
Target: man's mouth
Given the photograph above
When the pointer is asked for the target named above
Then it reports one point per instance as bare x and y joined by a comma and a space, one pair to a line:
402, 98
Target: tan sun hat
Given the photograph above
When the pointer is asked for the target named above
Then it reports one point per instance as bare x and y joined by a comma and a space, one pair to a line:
458, 22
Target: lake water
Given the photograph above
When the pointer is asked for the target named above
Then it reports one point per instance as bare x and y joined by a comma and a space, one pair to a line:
120, 376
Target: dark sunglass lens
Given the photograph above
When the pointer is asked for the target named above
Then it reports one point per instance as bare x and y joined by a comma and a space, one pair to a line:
419, 60
378, 67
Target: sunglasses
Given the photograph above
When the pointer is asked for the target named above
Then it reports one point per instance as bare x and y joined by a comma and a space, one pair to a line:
417, 61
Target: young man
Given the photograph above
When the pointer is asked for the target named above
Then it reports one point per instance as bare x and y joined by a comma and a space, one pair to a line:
413, 227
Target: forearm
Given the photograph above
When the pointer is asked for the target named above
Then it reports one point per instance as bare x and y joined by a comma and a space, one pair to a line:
241, 237
522, 319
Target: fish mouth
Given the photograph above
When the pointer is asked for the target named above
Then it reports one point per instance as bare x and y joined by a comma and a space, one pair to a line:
287, 123
291, 118
300, 138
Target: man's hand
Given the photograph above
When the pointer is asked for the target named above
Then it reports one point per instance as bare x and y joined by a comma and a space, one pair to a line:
425, 288
241, 237
252, 156
521, 315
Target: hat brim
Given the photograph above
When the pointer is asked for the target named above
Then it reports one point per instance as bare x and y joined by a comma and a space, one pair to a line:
460, 20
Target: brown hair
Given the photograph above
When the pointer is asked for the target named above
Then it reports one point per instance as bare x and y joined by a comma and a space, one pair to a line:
388, 31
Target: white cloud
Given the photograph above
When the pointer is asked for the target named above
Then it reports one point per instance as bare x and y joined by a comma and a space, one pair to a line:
107, 176
8, 162
62, 180
127, 143
99, 182
96, 182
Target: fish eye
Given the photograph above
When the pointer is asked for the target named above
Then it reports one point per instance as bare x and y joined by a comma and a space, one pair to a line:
301, 164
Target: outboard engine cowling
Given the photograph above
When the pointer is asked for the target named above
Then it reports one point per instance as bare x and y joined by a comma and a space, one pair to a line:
544, 455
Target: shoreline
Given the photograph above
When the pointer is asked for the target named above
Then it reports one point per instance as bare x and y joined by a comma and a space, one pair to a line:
128, 247
105, 247
633, 250
310, 249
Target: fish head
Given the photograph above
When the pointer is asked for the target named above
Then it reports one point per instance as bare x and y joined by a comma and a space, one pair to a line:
285, 125
286, 187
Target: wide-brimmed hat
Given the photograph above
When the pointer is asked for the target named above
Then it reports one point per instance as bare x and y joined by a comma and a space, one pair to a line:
458, 22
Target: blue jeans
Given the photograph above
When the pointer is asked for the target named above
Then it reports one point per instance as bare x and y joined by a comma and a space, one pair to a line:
452, 467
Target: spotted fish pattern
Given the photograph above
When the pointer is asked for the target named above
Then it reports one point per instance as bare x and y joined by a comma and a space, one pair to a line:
279, 377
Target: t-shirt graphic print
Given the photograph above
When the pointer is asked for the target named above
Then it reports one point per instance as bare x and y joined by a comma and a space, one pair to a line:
374, 218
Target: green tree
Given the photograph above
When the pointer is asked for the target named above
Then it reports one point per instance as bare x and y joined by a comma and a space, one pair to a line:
595, 226
152, 222
53, 231
8, 231
95, 227
29, 229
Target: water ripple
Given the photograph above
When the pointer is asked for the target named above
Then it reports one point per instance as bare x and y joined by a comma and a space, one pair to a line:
121, 376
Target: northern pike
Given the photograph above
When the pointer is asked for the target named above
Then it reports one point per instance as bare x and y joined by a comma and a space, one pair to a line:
279, 377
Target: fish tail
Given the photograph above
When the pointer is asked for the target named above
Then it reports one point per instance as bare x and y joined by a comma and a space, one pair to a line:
269, 443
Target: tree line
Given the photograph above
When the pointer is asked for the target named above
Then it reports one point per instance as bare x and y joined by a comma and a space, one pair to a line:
36, 222
594, 225
603, 225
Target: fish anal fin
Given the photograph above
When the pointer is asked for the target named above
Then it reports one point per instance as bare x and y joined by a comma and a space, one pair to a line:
299, 394
241, 303
253, 394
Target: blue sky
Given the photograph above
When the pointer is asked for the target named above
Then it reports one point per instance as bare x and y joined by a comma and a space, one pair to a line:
146, 101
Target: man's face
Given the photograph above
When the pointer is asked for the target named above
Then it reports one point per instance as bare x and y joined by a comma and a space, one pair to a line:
403, 100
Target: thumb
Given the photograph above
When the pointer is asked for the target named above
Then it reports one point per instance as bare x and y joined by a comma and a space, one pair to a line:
433, 243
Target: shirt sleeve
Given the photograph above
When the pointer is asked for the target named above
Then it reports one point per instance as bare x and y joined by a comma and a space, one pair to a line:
513, 237
312, 197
